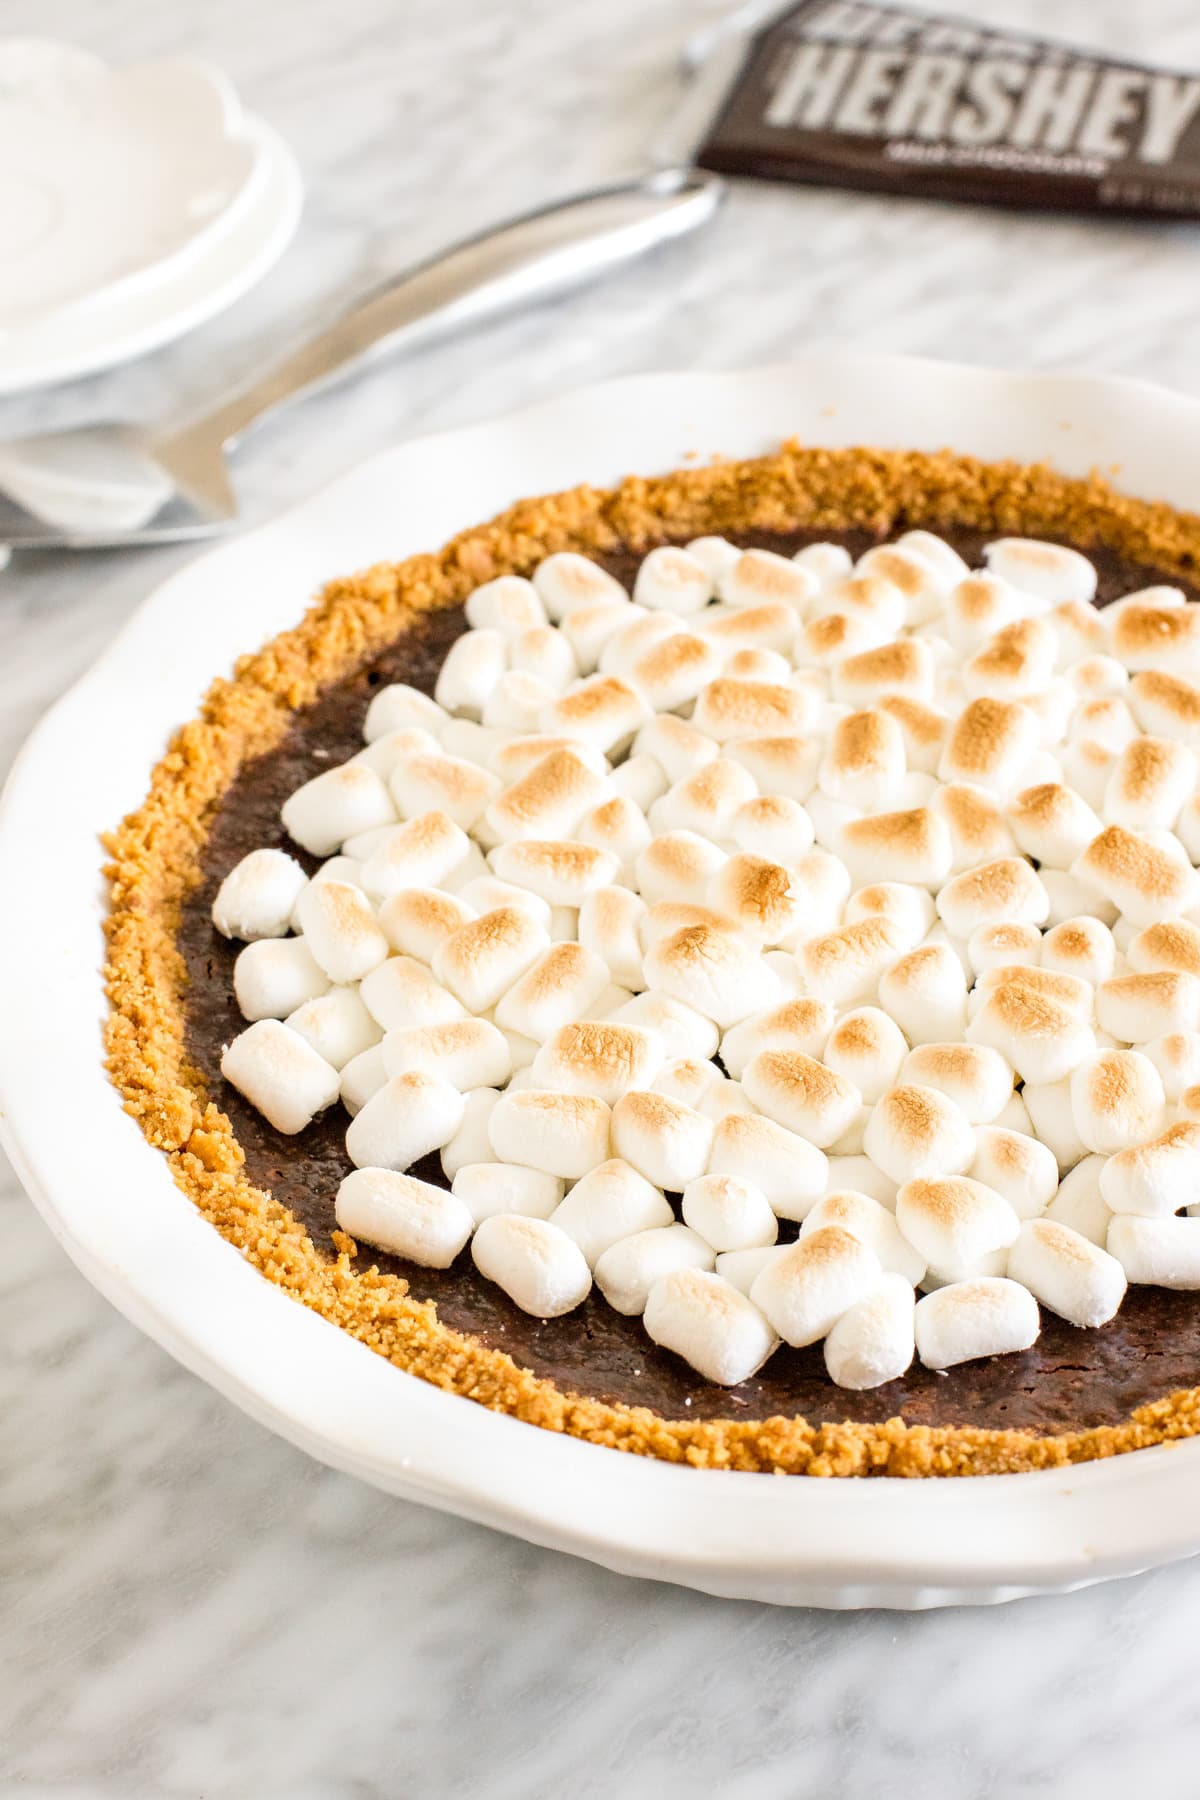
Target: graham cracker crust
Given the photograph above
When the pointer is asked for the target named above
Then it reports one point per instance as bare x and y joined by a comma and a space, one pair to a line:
155, 856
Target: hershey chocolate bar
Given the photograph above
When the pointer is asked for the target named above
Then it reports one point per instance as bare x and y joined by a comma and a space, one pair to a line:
868, 96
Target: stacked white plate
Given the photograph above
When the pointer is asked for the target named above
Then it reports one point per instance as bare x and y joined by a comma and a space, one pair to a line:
134, 204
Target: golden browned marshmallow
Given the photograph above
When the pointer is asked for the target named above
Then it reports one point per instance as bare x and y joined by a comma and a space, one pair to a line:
1043, 1039
598, 1057
673, 671
917, 1132
1017, 661
1081, 947
926, 994
516, 756
1051, 572
978, 832
666, 917
601, 710
801, 1024
801, 1094
978, 607
975, 1077
1108, 721
1082, 631
1140, 878
672, 581
1146, 636
676, 745
548, 802
761, 575
1005, 891
990, 743
920, 565
845, 965
619, 826
758, 896
1171, 944
1117, 1099
714, 968
869, 596
771, 626
1095, 676
1052, 823
773, 826
903, 667
924, 729
1167, 705
706, 801
565, 981
677, 865
1064, 989
783, 766
826, 642
995, 945
1149, 783
955, 1222
867, 1047
417, 919
1136, 1008
910, 908
561, 871
482, 960
911, 846
742, 709
864, 762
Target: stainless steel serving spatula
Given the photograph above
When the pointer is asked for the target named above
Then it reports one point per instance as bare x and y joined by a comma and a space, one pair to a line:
106, 485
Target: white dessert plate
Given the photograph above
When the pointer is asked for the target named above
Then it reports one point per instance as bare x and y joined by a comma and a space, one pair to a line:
101, 319
111, 1201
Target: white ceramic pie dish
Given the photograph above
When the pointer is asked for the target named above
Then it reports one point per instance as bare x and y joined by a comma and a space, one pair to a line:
111, 1202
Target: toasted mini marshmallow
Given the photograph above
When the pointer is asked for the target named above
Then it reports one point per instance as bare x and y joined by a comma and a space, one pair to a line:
1052, 823
1002, 945
1171, 944
729, 1212
544, 653
905, 666
402, 992
1081, 947
737, 629
337, 1025
509, 604
984, 1316
990, 744
281, 1073
470, 1144
866, 1048
712, 967
976, 1078
274, 976
1082, 631
706, 801
602, 711
801, 1024
773, 828
714, 554
473, 665
672, 580
873, 1225
917, 1132
256, 898
538, 1266
1149, 636
758, 896
801, 1094
642, 630
483, 959
805, 1290
867, 594
921, 566
630, 1267
1079, 1202
672, 672
361, 1077
1016, 663
567, 581
704, 1319
409, 1218
676, 745
599, 1057
1167, 705
1092, 677
925, 992
1042, 1039
548, 801
742, 1268
397, 707
910, 909
335, 806
404, 1120
864, 760
562, 1134
425, 852
728, 710
683, 1030
1051, 572
1157, 1178
488, 1188
790, 1170
417, 920
1017, 1167
677, 865
825, 642
911, 846
1073, 1277
341, 930
978, 832
757, 665
923, 727
1176, 1056
1007, 891
562, 871
639, 779
845, 966
759, 576
1052, 1120
1158, 1252
1117, 1099
955, 1222
610, 921
873, 1341
1086, 766
560, 986
517, 701
485, 893
690, 1081
1066, 990
977, 607
827, 562
611, 1202
468, 1053
590, 629
663, 1140
783, 767
1135, 1008
1149, 783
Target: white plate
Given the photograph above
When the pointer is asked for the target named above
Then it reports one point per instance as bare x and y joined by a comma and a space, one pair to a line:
199, 281
112, 1203
108, 176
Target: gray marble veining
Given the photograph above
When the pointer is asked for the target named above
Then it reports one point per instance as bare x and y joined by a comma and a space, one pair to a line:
190, 1606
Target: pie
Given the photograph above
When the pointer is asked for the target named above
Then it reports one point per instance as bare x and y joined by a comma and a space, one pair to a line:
1112, 1091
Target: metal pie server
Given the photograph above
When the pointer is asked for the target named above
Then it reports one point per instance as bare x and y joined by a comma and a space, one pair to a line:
104, 485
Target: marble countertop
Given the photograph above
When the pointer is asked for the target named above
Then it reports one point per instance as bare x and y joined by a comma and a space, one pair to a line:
191, 1607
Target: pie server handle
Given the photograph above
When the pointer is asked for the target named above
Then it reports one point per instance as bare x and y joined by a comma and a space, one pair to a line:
528, 260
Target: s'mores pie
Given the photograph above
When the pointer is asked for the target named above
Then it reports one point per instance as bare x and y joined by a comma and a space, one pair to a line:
709, 972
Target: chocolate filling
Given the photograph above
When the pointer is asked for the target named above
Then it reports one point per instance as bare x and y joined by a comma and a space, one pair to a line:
1070, 1378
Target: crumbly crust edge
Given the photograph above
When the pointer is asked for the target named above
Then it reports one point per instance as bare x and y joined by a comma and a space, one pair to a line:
155, 863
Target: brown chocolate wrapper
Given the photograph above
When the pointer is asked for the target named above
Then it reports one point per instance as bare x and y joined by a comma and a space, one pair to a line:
904, 102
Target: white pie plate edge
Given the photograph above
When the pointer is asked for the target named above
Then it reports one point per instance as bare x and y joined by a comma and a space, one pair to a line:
112, 1204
